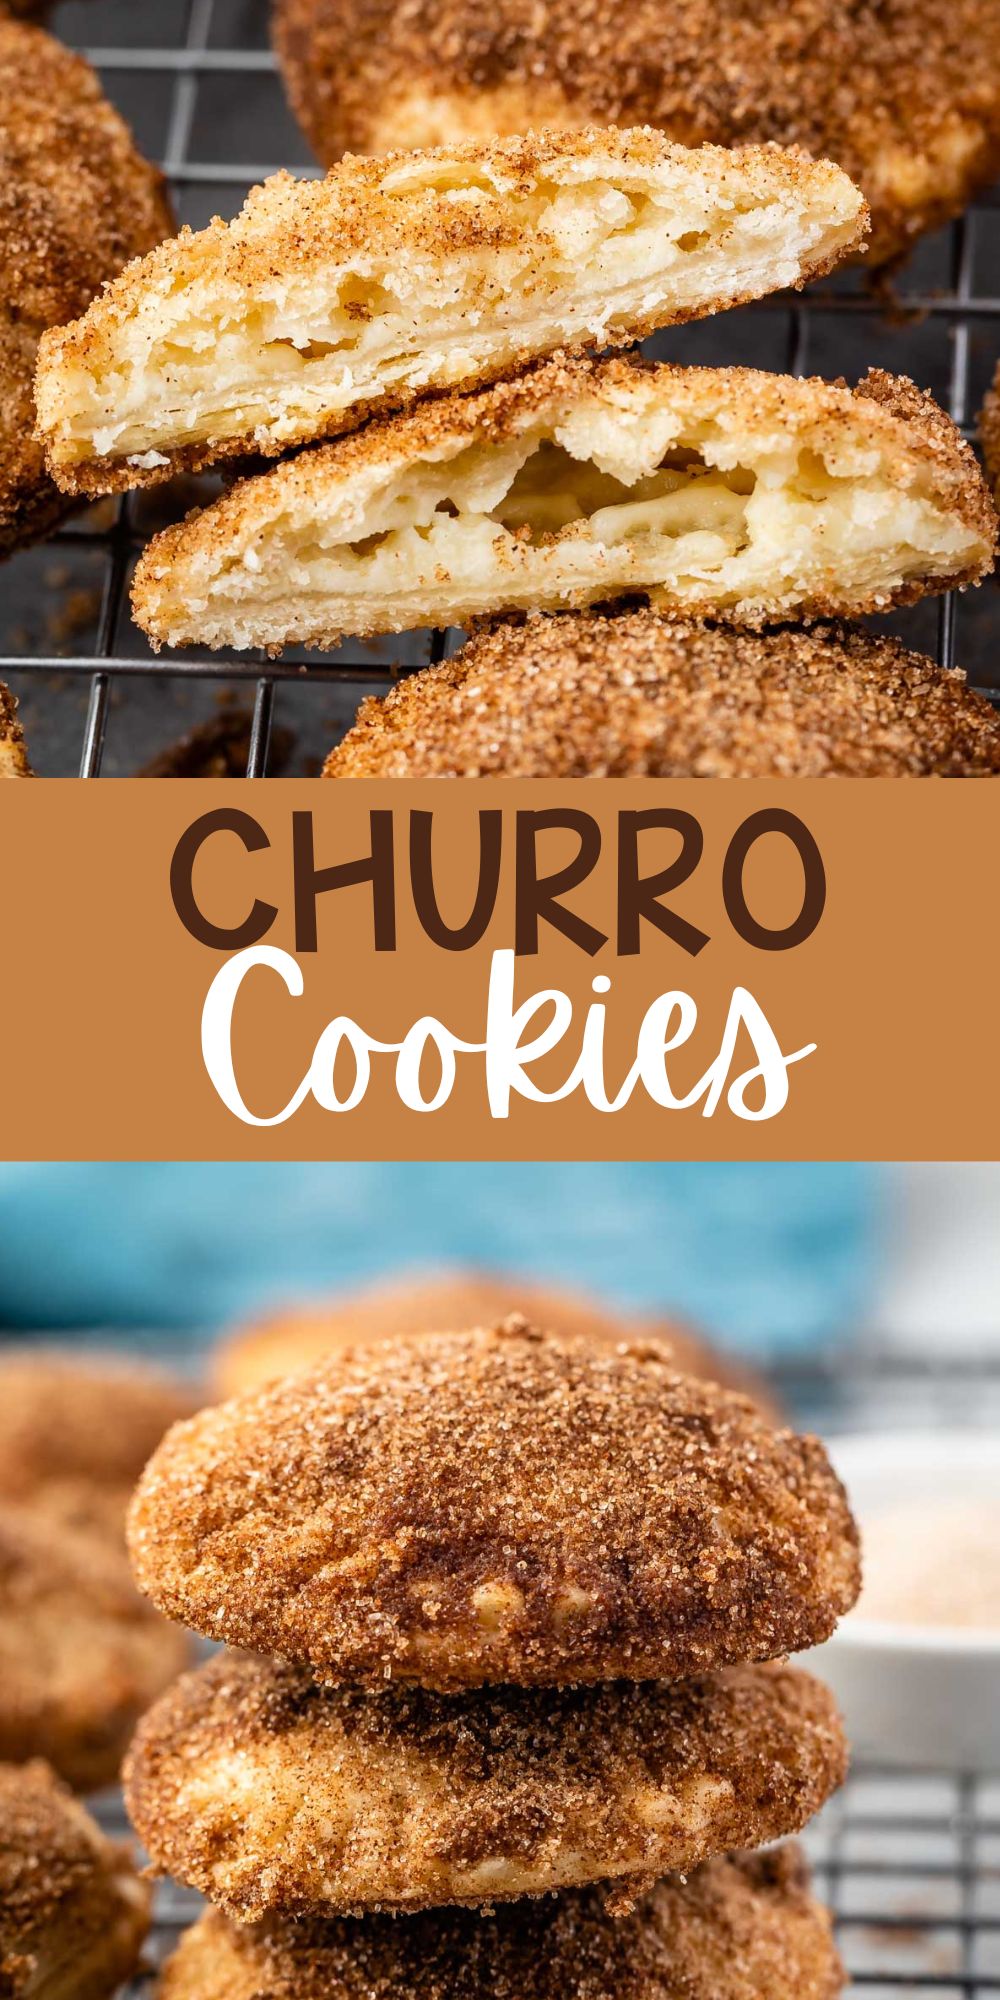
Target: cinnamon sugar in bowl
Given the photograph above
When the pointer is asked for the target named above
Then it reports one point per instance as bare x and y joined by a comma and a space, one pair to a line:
916, 1665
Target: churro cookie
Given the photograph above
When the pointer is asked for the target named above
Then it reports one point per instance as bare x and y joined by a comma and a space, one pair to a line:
81, 1655
76, 1430
739, 1929
327, 300
901, 95
640, 695
73, 1912
76, 201
713, 491
496, 1506
13, 749
451, 1302
272, 1795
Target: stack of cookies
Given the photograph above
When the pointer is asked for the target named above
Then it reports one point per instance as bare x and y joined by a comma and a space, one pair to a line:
518, 1607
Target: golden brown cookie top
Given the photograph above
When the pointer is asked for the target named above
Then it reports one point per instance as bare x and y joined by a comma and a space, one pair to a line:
500, 1505
276, 1797
742, 1929
641, 695
894, 94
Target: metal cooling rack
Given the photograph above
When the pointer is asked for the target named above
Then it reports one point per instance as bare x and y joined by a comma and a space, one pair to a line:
198, 83
907, 1861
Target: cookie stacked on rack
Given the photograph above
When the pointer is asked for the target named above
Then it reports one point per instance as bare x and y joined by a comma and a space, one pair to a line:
517, 1610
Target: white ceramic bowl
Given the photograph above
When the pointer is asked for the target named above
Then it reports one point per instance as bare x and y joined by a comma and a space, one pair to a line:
914, 1694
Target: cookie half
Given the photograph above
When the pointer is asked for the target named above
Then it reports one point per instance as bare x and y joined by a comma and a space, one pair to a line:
712, 491
902, 95
276, 1797
73, 1912
81, 1655
450, 1302
78, 201
491, 1507
641, 695
740, 1929
326, 301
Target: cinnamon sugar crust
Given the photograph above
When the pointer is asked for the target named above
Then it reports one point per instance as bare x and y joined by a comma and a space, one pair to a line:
713, 492
496, 1506
326, 301
896, 94
76, 202
739, 1929
13, 749
81, 1655
450, 1302
276, 1797
639, 695
73, 1912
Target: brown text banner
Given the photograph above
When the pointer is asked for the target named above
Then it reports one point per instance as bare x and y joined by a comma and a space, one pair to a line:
615, 969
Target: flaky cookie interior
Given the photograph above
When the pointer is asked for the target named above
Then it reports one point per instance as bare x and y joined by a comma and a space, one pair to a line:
713, 491
324, 301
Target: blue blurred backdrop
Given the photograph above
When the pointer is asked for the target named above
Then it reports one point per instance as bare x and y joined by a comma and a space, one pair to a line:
770, 1257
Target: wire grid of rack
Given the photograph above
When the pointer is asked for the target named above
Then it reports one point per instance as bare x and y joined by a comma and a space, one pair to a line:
198, 82
907, 1861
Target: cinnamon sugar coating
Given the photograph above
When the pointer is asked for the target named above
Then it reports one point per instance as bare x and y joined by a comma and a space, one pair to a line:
739, 1929
81, 1655
276, 1797
73, 1912
639, 695
76, 1430
76, 202
494, 1506
901, 95
450, 1302
13, 749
